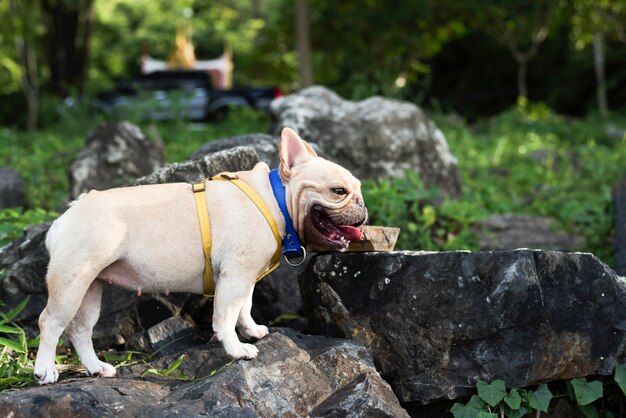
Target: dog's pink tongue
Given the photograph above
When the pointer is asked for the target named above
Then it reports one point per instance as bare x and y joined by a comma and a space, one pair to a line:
351, 233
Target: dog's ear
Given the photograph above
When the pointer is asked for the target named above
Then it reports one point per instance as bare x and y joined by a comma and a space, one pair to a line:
293, 151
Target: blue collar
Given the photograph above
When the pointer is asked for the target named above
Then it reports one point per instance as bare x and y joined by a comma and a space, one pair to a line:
291, 243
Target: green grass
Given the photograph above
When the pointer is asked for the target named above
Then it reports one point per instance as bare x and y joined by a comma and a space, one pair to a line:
527, 160
43, 157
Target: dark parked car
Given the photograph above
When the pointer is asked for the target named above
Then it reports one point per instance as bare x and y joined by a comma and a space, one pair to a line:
187, 94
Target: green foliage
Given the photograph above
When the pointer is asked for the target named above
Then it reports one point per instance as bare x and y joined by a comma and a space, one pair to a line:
15, 365
493, 399
404, 202
593, 398
13, 222
526, 161
43, 157
531, 161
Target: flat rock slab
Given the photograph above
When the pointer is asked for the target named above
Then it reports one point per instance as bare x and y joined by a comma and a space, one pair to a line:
439, 322
293, 376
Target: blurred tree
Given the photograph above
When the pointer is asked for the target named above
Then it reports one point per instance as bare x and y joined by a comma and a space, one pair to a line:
374, 47
21, 22
594, 21
304, 43
522, 26
68, 33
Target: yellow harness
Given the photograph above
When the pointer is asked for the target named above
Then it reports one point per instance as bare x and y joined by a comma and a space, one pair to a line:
205, 226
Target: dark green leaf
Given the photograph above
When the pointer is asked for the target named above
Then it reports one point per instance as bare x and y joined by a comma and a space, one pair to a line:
17, 310
540, 399
493, 392
13, 345
174, 365
620, 377
485, 414
589, 411
463, 411
476, 402
513, 399
586, 392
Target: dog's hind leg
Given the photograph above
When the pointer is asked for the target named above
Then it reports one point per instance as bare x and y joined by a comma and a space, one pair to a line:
81, 329
65, 296
246, 325
70, 288
230, 296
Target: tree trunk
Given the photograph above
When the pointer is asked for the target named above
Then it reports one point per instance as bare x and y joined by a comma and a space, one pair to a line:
27, 59
598, 61
303, 43
30, 83
522, 89
68, 32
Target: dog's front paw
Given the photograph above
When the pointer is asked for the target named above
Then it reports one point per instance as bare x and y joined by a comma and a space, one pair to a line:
254, 332
100, 369
46, 374
241, 350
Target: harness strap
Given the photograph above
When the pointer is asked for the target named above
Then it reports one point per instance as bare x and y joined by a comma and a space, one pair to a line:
205, 231
205, 228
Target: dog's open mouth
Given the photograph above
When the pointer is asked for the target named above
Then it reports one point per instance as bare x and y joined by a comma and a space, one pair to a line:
337, 235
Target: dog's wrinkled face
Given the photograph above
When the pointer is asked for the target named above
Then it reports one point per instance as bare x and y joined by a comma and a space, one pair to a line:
325, 200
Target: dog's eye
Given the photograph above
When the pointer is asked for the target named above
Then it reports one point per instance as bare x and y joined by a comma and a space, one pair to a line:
339, 191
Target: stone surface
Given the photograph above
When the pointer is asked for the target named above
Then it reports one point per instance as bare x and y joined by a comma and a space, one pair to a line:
11, 189
366, 396
294, 375
439, 322
114, 155
510, 232
266, 147
398, 134
234, 159
171, 335
24, 262
619, 208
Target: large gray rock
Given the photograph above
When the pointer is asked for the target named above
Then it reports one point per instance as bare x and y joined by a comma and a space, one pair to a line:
509, 232
439, 322
233, 159
619, 207
372, 138
11, 189
114, 155
294, 376
266, 146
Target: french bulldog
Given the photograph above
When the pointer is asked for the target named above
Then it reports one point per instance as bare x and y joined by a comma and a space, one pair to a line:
148, 239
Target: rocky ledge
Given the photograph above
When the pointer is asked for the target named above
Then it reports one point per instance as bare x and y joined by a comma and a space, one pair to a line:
294, 375
439, 322
394, 330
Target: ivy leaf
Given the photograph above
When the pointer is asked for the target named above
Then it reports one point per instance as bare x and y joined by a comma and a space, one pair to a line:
620, 377
463, 411
589, 411
476, 402
540, 399
493, 392
586, 392
513, 399
515, 413
485, 414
